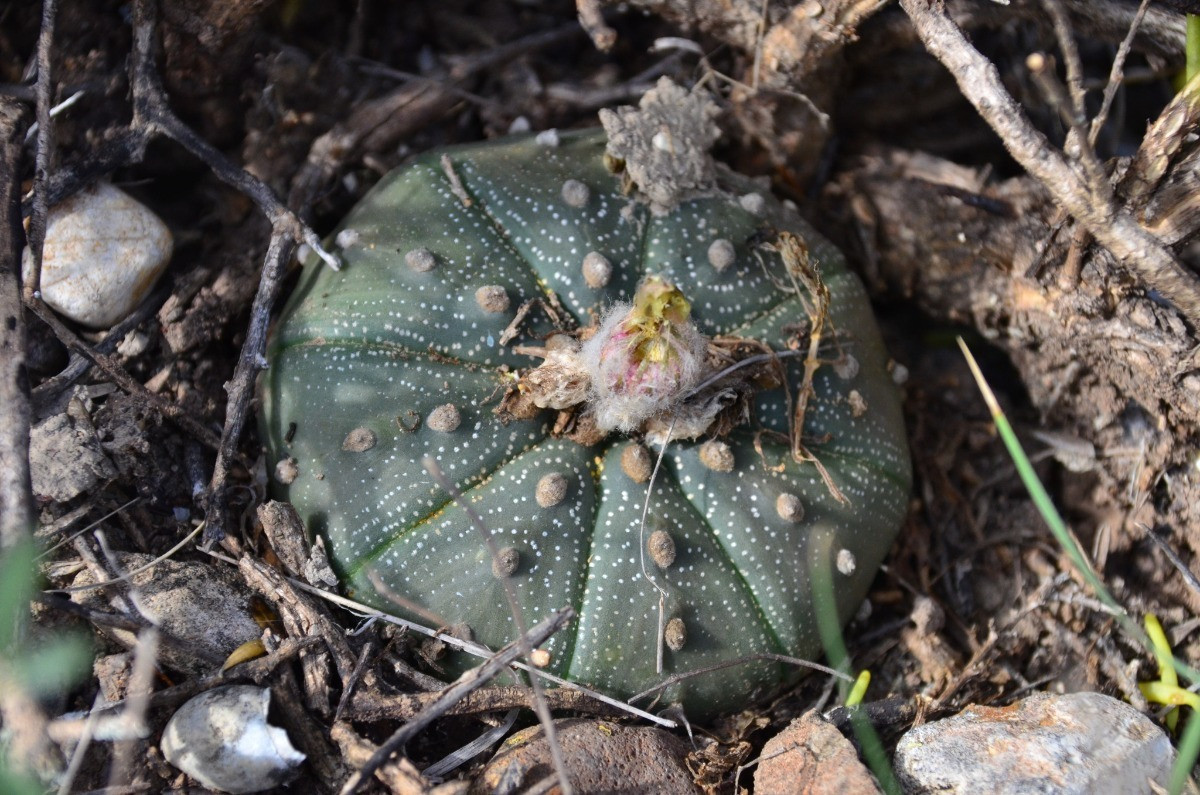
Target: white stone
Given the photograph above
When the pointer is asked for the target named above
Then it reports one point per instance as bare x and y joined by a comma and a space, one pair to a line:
103, 253
222, 739
1085, 743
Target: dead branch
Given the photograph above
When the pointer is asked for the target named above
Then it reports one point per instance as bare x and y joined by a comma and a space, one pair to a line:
16, 499
117, 374
473, 680
378, 124
301, 618
23, 716
374, 706
1091, 205
45, 141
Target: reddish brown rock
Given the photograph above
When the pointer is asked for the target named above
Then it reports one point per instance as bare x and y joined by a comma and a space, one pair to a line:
811, 756
601, 757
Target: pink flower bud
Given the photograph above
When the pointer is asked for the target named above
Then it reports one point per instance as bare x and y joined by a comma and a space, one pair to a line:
644, 358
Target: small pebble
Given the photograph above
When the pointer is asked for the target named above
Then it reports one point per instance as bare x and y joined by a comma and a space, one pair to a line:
492, 298
675, 634
506, 563
721, 254
717, 456
445, 418
551, 489
420, 260
602, 756
540, 657
575, 193
134, 344
636, 462
359, 440
661, 547
222, 739
597, 270
103, 253
813, 757
789, 507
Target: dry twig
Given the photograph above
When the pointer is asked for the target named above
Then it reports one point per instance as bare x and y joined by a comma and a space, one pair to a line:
469, 682
1092, 205
16, 505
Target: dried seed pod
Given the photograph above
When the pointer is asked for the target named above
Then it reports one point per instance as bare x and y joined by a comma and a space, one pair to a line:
445, 418
551, 489
661, 547
636, 462
506, 563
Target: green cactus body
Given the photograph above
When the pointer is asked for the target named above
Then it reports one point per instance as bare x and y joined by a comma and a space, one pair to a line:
363, 355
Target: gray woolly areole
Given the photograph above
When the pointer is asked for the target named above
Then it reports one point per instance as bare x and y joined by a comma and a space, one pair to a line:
664, 144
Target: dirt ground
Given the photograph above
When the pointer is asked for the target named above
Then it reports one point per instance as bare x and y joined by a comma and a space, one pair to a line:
1068, 266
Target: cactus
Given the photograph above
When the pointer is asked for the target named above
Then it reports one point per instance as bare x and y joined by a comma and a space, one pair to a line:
399, 356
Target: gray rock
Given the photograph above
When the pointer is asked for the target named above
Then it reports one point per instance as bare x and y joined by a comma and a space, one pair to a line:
65, 457
203, 608
1085, 743
222, 739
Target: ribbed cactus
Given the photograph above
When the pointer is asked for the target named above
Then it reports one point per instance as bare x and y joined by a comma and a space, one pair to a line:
399, 356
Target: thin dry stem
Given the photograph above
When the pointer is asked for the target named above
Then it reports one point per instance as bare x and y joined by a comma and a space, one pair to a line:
1114, 228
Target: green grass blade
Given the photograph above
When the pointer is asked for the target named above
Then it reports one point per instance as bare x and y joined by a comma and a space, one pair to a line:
1189, 746
1192, 47
830, 628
